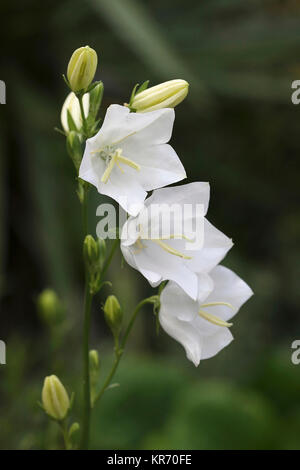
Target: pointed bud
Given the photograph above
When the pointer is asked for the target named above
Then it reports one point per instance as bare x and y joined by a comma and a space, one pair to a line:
55, 399
91, 250
96, 95
70, 115
113, 315
94, 360
165, 95
82, 68
50, 307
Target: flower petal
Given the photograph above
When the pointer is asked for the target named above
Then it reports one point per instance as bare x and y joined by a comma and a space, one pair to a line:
191, 193
212, 345
229, 288
215, 246
127, 191
91, 167
152, 258
159, 164
183, 332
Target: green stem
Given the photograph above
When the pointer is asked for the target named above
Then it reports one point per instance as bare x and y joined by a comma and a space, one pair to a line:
85, 212
64, 430
86, 368
84, 123
86, 340
119, 351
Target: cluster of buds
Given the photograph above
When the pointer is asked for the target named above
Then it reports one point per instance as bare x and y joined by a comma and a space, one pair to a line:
94, 255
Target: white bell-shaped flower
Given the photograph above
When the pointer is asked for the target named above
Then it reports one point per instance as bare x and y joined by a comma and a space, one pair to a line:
202, 325
171, 239
130, 156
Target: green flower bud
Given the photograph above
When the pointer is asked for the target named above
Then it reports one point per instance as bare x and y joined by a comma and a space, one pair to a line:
113, 315
165, 95
94, 360
70, 115
96, 95
74, 148
91, 250
55, 399
82, 68
50, 307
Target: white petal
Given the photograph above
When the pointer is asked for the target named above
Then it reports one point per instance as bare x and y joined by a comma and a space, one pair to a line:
155, 127
159, 164
216, 245
152, 277
113, 128
120, 125
71, 104
183, 332
192, 193
229, 288
178, 303
213, 344
152, 258
91, 167
126, 190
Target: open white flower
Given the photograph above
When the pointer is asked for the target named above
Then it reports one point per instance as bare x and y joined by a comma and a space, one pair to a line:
202, 326
162, 250
72, 106
130, 156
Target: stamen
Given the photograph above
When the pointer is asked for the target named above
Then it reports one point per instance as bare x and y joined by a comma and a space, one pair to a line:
213, 319
171, 250
213, 304
116, 159
109, 169
128, 162
178, 237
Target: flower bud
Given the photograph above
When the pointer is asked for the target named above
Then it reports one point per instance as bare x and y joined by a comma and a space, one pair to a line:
74, 148
96, 95
94, 360
70, 115
113, 315
50, 307
165, 95
91, 250
82, 68
55, 399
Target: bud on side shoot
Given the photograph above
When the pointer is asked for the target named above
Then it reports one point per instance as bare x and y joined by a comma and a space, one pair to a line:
70, 116
165, 95
55, 399
94, 256
82, 68
113, 315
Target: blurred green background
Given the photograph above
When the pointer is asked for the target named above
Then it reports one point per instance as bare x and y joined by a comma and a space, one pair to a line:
238, 130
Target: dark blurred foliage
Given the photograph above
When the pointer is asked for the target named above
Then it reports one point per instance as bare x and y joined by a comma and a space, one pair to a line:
238, 130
